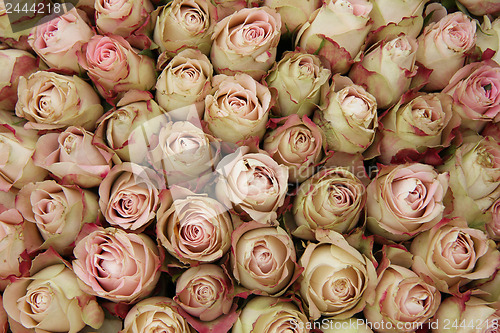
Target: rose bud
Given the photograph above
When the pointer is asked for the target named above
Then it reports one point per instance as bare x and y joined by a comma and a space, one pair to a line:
337, 280
451, 255
481, 7
51, 101
293, 13
475, 89
17, 146
204, 291
342, 198
347, 116
183, 152
263, 259
129, 196
467, 315
239, 103
386, 70
493, 226
488, 37
404, 200
116, 265
443, 45
155, 314
402, 299
298, 78
127, 128
253, 184
19, 238
58, 40
271, 315
246, 42
194, 228
422, 124
72, 157
130, 19
390, 18
185, 80
474, 176
50, 299
14, 64
337, 31
185, 24
115, 67
58, 211
298, 144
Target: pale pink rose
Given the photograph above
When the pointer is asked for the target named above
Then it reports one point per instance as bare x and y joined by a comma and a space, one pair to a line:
265, 314
129, 196
342, 196
475, 89
185, 24
386, 69
405, 200
50, 299
72, 157
58, 40
471, 315
298, 144
19, 239
205, 292
350, 276
299, 79
451, 255
493, 227
348, 116
415, 128
153, 314
58, 211
14, 64
17, 146
239, 103
51, 101
115, 67
336, 31
130, 19
481, 7
246, 42
263, 259
253, 184
403, 301
185, 80
194, 228
293, 13
443, 45
116, 265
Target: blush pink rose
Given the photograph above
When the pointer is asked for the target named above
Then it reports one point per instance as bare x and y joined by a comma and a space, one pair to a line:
116, 265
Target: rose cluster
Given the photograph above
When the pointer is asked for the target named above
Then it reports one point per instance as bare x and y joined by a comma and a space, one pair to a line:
250, 166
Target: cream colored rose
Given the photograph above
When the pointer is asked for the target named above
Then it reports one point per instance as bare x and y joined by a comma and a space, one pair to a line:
193, 228
205, 291
299, 79
337, 280
58, 40
253, 184
347, 116
185, 80
488, 37
58, 211
451, 255
293, 13
332, 199
153, 314
271, 315
246, 42
405, 200
51, 101
185, 24
239, 103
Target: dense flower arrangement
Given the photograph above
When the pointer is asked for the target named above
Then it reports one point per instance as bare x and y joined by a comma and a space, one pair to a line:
250, 166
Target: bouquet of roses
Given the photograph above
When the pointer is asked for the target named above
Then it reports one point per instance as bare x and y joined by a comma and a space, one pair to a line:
249, 166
